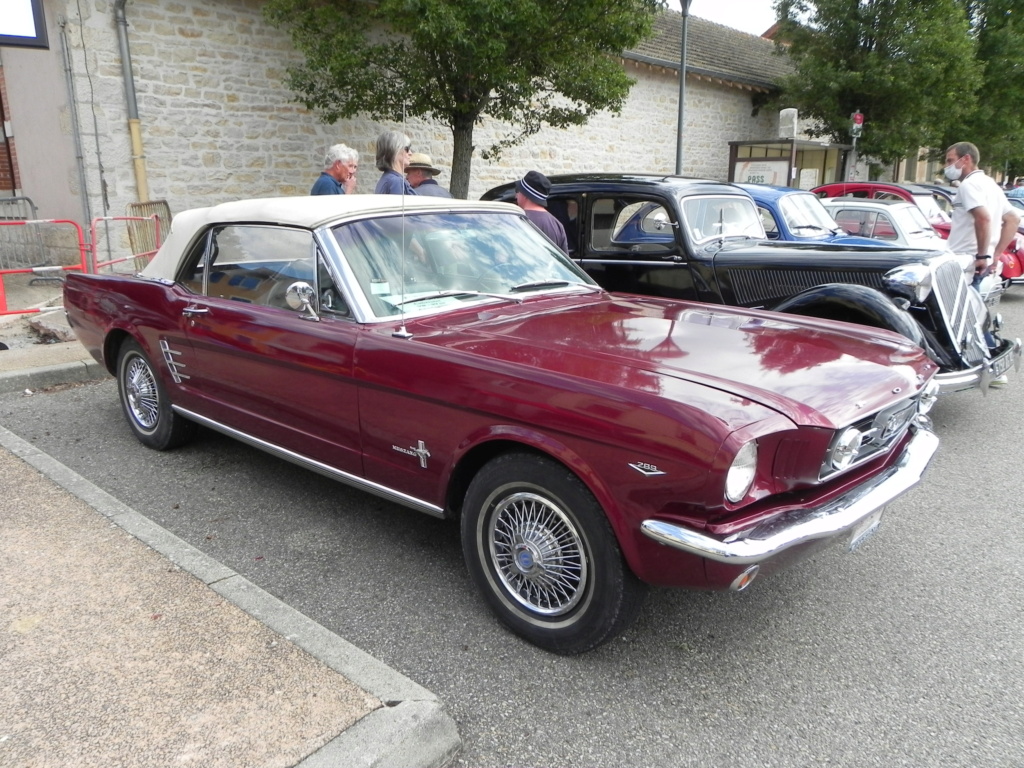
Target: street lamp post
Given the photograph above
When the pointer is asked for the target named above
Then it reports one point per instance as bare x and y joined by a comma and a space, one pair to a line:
682, 90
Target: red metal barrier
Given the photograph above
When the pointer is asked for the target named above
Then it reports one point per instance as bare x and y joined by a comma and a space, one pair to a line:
37, 251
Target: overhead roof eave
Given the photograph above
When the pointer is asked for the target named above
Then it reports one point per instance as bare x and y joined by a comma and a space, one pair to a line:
703, 74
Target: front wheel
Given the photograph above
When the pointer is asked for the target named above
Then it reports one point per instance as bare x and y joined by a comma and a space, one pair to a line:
145, 403
539, 547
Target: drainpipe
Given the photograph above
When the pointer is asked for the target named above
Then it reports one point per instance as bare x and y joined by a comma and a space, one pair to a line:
76, 126
134, 126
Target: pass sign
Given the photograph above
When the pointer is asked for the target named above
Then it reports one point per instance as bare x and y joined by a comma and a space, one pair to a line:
856, 123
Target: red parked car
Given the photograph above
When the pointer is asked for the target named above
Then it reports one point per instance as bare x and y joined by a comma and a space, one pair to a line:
446, 356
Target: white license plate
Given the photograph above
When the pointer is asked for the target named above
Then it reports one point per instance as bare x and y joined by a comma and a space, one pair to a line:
1002, 364
865, 529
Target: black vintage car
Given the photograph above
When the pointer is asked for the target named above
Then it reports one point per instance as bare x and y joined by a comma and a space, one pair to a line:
704, 240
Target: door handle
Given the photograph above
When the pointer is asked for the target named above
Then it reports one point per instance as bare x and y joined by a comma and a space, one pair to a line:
189, 311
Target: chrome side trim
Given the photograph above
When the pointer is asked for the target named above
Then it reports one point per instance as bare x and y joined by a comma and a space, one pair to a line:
304, 461
788, 530
666, 262
173, 366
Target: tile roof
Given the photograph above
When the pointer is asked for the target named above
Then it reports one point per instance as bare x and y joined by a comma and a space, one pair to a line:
713, 51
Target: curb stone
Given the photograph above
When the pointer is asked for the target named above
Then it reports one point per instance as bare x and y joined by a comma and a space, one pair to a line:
52, 376
410, 730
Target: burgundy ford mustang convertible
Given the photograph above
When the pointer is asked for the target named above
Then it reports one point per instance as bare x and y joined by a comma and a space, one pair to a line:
450, 359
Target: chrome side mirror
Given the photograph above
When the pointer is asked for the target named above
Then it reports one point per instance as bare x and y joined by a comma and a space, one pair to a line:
660, 220
300, 298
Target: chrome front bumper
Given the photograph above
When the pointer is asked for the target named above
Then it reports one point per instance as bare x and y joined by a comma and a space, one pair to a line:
981, 375
836, 518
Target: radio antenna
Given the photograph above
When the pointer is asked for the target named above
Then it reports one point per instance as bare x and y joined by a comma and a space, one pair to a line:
403, 332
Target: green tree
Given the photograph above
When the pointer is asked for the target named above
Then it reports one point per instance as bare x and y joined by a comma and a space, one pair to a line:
527, 63
995, 123
909, 66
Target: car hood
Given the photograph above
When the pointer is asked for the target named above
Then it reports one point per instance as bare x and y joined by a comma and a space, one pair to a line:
836, 254
815, 372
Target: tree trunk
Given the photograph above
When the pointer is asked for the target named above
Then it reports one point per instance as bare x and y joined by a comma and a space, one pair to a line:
462, 157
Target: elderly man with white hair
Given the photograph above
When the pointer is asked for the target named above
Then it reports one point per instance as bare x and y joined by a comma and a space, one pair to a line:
339, 174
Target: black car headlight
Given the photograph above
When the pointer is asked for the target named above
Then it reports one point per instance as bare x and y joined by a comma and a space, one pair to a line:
911, 281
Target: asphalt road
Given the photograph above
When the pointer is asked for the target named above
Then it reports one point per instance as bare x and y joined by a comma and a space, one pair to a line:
908, 652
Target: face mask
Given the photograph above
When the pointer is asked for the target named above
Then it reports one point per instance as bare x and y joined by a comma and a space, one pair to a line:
952, 172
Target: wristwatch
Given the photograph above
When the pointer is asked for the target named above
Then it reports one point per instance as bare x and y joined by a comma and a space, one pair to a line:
981, 256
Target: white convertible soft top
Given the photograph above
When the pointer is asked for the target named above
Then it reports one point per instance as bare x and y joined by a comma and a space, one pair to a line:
306, 211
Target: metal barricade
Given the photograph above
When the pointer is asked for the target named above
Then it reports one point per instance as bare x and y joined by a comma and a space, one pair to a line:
37, 251
145, 236
114, 245
17, 209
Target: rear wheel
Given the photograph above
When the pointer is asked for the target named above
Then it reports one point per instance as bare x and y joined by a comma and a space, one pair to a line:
539, 547
145, 403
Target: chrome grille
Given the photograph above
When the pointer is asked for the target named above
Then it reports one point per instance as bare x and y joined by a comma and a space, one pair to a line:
962, 310
879, 432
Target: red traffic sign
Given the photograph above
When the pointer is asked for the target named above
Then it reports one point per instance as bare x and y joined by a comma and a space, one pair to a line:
857, 123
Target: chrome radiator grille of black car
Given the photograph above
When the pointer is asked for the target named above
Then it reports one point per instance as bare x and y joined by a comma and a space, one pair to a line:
962, 310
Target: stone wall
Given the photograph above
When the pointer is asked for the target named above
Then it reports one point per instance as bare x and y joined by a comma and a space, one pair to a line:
218, 123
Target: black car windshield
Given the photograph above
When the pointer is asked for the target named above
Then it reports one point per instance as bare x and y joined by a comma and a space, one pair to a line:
710, 218
429, 262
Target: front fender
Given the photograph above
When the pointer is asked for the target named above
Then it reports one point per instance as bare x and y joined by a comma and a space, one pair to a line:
854, 304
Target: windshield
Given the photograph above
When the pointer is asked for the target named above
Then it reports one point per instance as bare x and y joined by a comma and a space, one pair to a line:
931, 209
422, 263
709, 218
915, 227
912, 219
806, 216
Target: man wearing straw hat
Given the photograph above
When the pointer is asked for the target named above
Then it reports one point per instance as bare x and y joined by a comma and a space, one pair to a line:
421, 172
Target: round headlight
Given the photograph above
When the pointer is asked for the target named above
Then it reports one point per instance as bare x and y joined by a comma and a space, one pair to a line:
741, 473
846, 448
911, 281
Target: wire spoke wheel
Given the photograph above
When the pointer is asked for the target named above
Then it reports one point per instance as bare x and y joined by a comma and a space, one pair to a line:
145, 402
540, 548
538, 554
141, 393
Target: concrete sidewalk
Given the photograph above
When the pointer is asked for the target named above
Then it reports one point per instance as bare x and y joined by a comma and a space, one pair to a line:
123, 645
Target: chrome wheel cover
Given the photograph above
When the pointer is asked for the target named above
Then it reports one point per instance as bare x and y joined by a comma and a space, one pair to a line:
141, 394
538, 554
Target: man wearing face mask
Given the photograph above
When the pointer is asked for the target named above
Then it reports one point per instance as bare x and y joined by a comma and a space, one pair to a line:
984, 222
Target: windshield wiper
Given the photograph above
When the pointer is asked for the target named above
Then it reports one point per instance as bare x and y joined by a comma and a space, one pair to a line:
540, 284
809, 226
446, 294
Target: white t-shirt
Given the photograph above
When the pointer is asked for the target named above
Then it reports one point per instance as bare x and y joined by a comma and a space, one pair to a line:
976, 189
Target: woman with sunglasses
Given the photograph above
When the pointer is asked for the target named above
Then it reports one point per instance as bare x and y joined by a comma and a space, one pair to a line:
393, 155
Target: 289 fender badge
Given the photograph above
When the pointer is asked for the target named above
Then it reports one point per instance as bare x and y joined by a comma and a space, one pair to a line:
645, 469
420, 451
